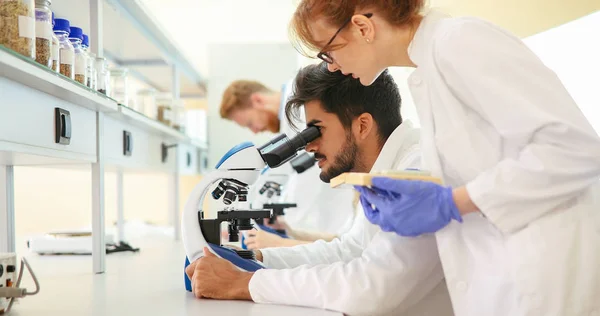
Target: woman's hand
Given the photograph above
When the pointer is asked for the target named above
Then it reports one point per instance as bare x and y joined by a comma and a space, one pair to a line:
408, 207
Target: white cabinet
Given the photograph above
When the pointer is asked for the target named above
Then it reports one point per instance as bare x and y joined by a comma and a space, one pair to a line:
131, 147
188, 159
34, 119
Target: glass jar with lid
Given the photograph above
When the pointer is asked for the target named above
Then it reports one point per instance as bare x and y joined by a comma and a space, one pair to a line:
43, 32
17, 26
102, 76
119, 86
76, 37
55, 54
62, 28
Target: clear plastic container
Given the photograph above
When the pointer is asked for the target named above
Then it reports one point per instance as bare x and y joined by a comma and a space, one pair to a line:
146, 102
43, 32
17, 26
119, 86
81, 58
102, 76
62, 28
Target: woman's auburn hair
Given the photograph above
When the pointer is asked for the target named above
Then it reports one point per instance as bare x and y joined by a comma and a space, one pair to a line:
337, 12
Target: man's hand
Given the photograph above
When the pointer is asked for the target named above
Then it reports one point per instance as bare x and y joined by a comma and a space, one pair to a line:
280, 223
258, 239
217, 278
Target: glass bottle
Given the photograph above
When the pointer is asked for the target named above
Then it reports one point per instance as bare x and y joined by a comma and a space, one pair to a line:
55, 55
76, 37
147, 102
164, 109
119, 85
90, 68
102, 76
178, 115
17, 26
43, 32
62, 28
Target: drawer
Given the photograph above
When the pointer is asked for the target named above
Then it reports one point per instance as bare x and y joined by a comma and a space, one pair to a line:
135, 148
188, 159
28, 117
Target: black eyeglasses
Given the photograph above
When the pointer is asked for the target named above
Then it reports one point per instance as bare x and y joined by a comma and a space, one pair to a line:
324, 56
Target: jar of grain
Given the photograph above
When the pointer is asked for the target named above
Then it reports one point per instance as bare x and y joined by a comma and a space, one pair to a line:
43, 32
17, 26
55, 53
62, 28
81, 58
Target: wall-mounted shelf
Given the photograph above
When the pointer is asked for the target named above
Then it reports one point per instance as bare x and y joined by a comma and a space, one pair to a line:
29, 73
150, 125
132, 38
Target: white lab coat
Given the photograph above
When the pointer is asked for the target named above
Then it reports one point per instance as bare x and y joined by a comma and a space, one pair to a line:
495, 119
366, 271
320, 208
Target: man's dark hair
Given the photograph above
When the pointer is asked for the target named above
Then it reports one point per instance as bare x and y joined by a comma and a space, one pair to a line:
347, 98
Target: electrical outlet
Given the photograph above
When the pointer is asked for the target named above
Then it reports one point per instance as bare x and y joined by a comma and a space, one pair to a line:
8, 275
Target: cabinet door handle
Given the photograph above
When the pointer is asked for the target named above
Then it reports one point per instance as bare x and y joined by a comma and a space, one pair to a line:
189, 159
127, 143
62, 125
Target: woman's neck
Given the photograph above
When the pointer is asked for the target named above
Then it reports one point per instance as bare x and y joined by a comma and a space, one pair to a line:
397, 42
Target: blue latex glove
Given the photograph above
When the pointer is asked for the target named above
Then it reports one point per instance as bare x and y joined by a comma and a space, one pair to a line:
408, 207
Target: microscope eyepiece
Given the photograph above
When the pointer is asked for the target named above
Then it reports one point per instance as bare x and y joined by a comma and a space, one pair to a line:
281, 149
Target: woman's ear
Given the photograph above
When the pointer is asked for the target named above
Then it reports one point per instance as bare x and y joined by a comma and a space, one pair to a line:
363, 126
257, 100
365, 27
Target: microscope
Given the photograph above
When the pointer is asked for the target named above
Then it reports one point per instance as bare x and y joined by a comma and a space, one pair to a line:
269, 195
239, 168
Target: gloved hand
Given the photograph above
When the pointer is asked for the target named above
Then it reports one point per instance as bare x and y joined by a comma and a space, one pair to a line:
408, 207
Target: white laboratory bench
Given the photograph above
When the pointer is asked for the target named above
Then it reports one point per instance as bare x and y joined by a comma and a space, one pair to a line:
49, 120
146, 283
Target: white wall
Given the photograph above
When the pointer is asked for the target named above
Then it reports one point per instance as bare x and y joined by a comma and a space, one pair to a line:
273, 64
573, 52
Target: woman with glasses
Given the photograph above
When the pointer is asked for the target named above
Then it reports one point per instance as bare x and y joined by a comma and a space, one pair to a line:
517, 224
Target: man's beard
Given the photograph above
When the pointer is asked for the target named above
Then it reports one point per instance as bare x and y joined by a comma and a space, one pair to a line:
345, 161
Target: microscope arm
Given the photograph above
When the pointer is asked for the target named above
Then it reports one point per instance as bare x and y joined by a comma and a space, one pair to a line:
193, 240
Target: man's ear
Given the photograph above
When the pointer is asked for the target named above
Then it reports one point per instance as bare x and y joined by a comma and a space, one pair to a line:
257, 100
363, 126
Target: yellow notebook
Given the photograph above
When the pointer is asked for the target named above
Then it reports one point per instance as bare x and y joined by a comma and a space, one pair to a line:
364, 179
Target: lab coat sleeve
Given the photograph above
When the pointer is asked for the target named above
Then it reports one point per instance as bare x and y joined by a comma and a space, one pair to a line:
345, 248
499, 78
392, 275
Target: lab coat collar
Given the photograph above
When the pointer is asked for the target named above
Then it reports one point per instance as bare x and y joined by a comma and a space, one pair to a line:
416, 48
388, 156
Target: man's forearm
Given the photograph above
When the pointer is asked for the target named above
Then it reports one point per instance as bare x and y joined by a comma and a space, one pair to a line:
310, 236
